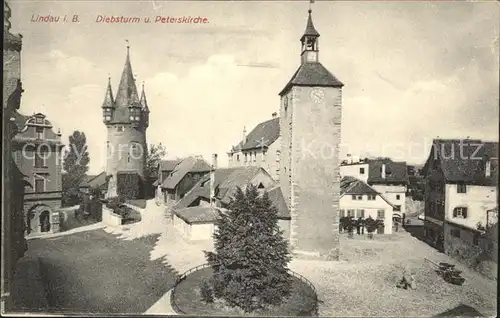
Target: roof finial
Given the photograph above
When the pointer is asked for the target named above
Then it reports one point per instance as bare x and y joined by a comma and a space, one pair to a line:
143, 85
310, 2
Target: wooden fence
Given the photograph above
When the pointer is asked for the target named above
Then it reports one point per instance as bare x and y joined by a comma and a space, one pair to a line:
183, 276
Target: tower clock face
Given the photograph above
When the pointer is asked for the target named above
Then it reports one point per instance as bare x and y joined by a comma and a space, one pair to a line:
318, 95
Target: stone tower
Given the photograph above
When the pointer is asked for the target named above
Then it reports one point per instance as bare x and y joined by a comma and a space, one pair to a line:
127, 118
310, 125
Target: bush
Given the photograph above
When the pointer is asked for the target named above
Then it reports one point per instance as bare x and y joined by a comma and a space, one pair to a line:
129, 185
206, 291
115, 202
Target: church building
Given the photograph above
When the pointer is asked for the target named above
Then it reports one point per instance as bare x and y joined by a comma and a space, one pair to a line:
310, 127
126, 117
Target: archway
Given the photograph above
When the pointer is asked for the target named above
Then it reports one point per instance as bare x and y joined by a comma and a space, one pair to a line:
45, 221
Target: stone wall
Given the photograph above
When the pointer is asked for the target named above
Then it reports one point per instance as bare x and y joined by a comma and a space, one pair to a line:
475, 253
110, 218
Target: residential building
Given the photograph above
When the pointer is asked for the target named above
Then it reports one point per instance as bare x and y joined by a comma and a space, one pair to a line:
126, 117
37, 151
359, 200
99, 181
386, 176
182, 178
13, 181
310, 127
461, 186
196, 214
165, 167
260, 148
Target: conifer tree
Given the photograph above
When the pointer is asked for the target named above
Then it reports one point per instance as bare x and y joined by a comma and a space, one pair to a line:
251, 256
76, 165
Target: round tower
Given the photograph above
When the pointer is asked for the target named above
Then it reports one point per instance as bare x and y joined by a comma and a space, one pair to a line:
126, 118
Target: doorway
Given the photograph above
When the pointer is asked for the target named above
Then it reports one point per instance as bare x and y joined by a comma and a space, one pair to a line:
45, 221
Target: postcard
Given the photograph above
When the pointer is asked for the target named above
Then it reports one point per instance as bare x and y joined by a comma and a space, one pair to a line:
250, 158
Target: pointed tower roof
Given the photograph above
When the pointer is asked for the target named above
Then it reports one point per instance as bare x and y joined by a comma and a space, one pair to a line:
310, 29
108, 98
143, 101
127, 90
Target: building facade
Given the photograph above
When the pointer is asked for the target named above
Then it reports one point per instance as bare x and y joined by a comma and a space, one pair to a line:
13, 181
461, 187
37, 151
359, 200
260, 148
310, 127
126, 117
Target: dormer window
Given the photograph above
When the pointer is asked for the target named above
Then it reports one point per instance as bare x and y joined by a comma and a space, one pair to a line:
39, 120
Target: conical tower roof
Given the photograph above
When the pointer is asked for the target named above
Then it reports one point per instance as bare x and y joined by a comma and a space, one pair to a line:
127, 91
143, 101
108, 98
310, 29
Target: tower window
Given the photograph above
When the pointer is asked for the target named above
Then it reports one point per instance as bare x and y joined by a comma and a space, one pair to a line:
108, 118
120, 128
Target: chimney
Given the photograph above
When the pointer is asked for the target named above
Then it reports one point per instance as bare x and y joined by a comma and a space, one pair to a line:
488, 168
244, 134
382, 172
212, 179
275, 114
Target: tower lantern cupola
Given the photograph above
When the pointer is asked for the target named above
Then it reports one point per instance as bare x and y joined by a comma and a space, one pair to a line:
309, 41
108, 104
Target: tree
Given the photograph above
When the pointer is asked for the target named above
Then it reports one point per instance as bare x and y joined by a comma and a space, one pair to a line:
372, 225
155, 154
251, 256
76, 161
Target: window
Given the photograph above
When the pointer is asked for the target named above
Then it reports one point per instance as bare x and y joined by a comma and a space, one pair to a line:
397, 207
380, 214
361, 213
354, 197
39, 184
39, 133
120, 128
238, 158
254, 156
246, 157
460, 212
461, 188
360, 197
342, 213
361, 170
39, 162
398, 197
261, 186
350, 213
372, 197
39, 120
455, 232
108, 118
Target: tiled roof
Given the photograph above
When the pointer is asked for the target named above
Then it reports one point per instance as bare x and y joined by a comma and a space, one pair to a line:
198, 214
226, 181
169, 165
189, 164
95, 181
312, 74
127, 90
264, 134
108, 97
351, 185
465, 160
395, 172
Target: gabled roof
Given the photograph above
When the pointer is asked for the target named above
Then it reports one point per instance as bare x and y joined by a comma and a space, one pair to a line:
465, 160
263, 135
189, 164
226, 181
395, 172
92, 181
198, 214
127, 90
312, 74
168, 165
353, 186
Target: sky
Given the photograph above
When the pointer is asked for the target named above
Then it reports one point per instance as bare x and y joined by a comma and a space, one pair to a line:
412, 71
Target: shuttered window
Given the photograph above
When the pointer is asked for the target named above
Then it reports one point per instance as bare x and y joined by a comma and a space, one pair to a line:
460, 212
361, 213
350, 213
380, 214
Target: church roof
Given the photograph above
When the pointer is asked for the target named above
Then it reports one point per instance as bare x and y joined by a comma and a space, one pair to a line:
312, 74
127, 90
310, 29
108, 98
